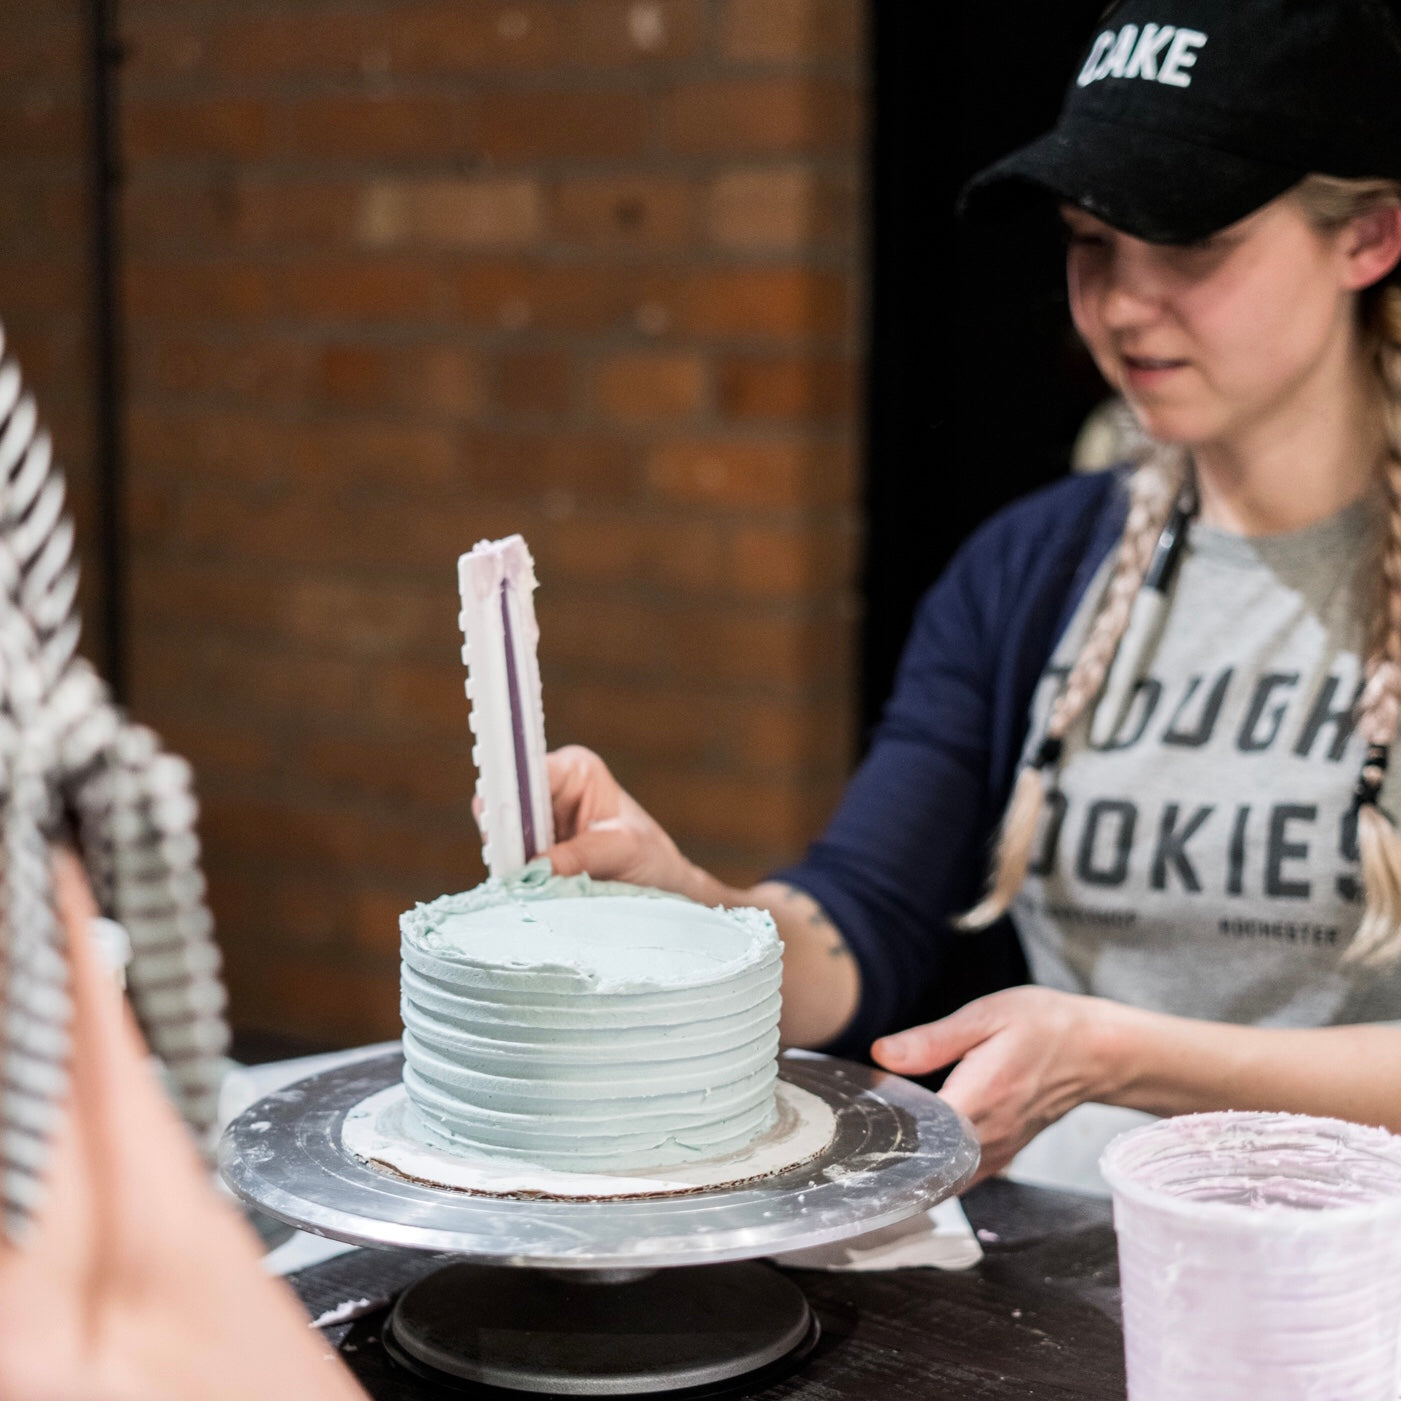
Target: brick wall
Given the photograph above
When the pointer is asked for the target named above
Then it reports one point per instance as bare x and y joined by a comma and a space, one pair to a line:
46, 295
402, 275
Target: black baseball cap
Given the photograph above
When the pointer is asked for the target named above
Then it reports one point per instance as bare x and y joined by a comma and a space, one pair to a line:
1187, 115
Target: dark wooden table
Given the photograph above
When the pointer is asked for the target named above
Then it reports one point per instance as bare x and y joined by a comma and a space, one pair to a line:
1038, 1318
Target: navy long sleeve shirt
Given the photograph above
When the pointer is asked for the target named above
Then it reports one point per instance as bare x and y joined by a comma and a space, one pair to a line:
908, 847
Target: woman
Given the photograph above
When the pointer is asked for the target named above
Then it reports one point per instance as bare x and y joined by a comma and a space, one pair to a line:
1195, 854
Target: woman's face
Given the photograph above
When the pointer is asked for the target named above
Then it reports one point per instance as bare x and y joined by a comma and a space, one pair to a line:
1208, 340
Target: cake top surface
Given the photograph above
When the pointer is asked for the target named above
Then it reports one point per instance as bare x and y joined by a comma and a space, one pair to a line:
612, 936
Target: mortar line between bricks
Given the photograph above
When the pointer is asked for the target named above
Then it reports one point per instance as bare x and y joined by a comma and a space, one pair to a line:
655, 78
197, 170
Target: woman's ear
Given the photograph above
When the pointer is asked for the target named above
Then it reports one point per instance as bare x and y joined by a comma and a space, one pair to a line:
1372, 247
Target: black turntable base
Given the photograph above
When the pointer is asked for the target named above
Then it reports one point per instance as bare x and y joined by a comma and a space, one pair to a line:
678, 1332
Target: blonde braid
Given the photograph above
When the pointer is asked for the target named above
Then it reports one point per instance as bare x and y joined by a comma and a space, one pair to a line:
1153, 491
1378, 937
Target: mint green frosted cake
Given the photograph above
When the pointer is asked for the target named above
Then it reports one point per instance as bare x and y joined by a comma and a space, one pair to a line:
589, 1026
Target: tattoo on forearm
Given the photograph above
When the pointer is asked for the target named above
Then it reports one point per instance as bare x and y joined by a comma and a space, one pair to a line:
818, 918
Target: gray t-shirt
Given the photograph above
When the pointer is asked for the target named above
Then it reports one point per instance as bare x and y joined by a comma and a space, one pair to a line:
1204, 862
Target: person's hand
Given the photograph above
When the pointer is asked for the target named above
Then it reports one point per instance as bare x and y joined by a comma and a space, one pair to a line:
602, 831
1025, 1057
136, 1282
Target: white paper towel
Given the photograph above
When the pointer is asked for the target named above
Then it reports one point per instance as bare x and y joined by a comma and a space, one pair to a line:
939, 1239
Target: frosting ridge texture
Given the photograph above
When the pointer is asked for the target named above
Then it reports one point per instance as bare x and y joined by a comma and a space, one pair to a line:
589, 1025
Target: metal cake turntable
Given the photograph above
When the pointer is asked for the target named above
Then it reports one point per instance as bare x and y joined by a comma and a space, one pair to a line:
609, 1297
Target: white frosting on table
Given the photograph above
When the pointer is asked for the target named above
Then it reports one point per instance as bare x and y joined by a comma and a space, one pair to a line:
589, 1026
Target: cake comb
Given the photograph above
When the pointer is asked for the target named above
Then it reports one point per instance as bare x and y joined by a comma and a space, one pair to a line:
496, 579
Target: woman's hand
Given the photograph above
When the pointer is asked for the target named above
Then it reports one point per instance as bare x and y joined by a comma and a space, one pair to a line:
602, 831
136, 1280
1025, 1057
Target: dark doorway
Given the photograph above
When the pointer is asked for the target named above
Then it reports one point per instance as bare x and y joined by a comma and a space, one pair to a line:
976, 385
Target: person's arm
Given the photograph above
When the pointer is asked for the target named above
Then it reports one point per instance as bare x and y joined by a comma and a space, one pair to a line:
607, 833
907, 848
1028, 1055
865, 916
1173, 1065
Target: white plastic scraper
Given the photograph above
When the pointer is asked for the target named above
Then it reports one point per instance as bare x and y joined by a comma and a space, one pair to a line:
497, 582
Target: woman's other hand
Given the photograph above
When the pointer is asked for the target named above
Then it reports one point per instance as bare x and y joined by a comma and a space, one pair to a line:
1024, 1057
602, 831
